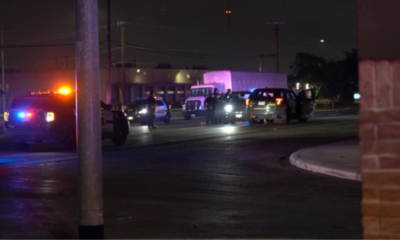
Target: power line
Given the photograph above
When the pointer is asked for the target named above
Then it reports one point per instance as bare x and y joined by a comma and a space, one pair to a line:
38, 45
190, 55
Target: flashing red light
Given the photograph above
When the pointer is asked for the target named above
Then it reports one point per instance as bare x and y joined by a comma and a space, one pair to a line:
228, 12
29, 115
279, 101
65, 90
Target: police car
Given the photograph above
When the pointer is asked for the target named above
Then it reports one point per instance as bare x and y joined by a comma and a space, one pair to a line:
50, 117
137, 112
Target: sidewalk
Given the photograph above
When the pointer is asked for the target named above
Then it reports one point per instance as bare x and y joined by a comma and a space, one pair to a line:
340, 159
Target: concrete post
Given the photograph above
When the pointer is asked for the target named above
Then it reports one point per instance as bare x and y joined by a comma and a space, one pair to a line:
88, 120
379, 69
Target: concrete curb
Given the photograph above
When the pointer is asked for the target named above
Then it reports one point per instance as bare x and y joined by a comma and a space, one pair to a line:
298, 161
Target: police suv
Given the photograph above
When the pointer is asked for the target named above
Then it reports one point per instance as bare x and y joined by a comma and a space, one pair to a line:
137, 112
49, 117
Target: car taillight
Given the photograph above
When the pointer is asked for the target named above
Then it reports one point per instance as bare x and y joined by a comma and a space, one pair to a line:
279, 101
50, 117
247, 102
6, 116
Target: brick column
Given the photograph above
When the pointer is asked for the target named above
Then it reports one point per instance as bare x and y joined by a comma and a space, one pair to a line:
380, 148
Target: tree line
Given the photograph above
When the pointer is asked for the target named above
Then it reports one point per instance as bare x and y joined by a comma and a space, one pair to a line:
333, 79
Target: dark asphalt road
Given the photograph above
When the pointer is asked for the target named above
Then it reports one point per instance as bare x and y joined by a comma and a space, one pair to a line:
187, 180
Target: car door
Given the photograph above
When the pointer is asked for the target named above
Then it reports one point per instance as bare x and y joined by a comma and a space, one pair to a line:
291, 99
309, 104
161, 108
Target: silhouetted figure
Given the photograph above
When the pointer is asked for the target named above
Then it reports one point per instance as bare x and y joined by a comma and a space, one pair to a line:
151, 106
210, 107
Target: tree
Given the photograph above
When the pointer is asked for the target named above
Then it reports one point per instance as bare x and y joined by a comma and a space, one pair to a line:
332, 78
164, 66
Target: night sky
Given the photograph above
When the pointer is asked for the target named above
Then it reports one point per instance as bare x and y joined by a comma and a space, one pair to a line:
184, 32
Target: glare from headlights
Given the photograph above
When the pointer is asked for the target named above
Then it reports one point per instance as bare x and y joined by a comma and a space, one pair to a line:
143, 111
228, 129
228, 108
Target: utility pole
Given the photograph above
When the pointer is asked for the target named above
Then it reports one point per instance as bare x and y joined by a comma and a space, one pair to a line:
228, 15
109, 80
90, 175
122, 89
228, 18
276, 29
2, 70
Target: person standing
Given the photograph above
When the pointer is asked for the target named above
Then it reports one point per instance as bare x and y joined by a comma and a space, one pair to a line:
227, 94
210, 107
151, 107
301, 96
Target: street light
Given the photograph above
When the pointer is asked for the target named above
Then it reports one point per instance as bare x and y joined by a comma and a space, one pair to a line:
322, 40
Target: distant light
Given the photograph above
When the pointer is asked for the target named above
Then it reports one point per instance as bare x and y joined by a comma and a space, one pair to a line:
188, 76
228, 12
21, 114
297, 86
357, 96
138, 71
252, 90
322, 40
307, 86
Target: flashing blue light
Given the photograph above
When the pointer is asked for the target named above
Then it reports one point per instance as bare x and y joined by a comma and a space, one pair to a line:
21, 114
252, 90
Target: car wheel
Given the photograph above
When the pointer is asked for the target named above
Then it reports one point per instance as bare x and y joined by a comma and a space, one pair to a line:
167, 118
188, 117
69, 141
120, 134
251, 121
286, 118
22, 146
303, 120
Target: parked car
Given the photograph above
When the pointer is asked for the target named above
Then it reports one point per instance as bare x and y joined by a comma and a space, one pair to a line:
137, 112
276, 103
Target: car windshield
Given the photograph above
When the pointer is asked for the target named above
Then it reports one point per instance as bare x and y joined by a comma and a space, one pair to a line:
239, 96
200, 91
137, 104
25, 102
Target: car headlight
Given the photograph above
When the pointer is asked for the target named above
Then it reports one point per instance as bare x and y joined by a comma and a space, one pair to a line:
228, 108
143, 111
